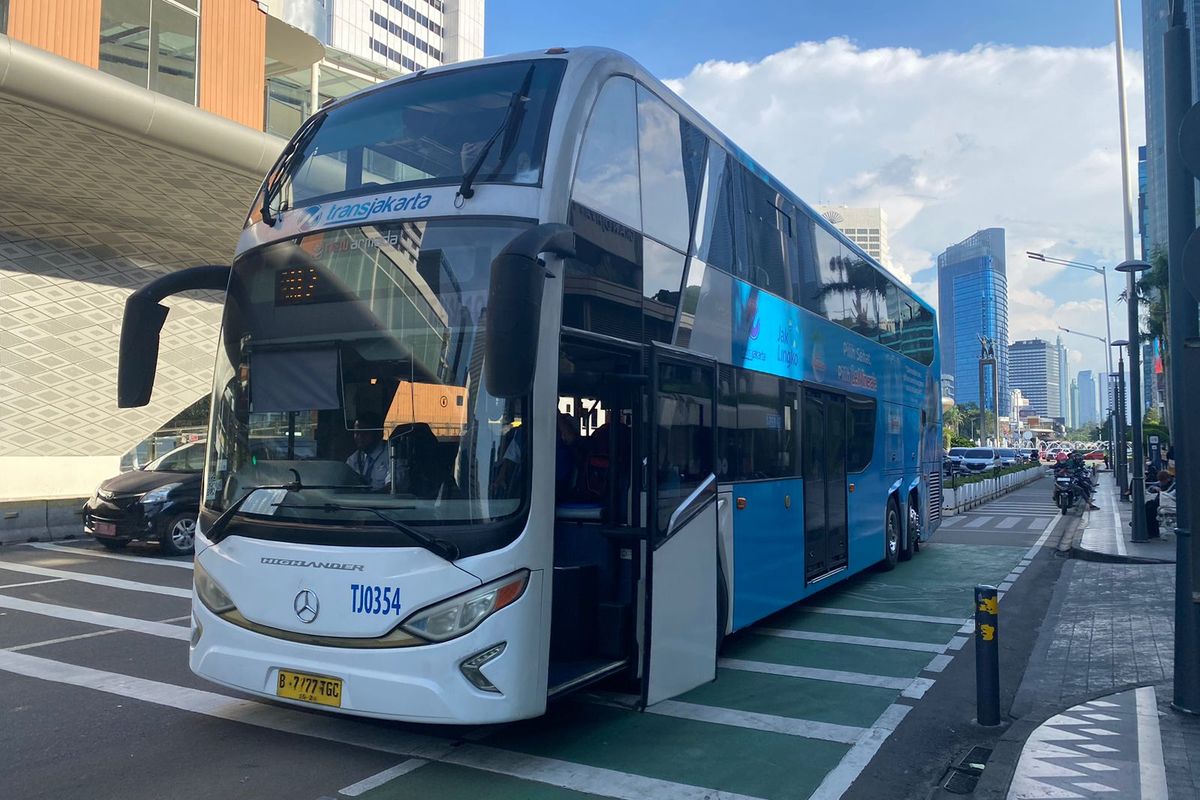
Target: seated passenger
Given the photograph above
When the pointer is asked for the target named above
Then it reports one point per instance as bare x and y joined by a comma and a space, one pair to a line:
419, 469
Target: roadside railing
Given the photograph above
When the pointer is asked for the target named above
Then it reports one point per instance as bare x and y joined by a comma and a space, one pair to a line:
964, 492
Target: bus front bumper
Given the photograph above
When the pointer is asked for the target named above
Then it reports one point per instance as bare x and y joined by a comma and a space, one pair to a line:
422, 684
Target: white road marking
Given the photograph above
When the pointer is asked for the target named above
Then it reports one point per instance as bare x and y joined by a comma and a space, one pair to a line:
79, 551
1008, 522
1005, 586
62, 639
855, 761
380, 778
868, 641
99, 580
805, 728
917, 689
96, 618
812, 673
956, 643
1150, 755
386, 739
30, 583
978, 522
853, 612
938, 663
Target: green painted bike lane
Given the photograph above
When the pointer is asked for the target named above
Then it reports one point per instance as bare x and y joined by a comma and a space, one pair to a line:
938, 582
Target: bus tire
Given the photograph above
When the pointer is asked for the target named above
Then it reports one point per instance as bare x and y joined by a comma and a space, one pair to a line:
912, 531
722, 605
891, 536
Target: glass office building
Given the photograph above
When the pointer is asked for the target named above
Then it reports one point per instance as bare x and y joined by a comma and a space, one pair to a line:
973, 303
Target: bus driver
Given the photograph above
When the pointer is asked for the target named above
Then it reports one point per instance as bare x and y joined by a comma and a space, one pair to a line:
369, 459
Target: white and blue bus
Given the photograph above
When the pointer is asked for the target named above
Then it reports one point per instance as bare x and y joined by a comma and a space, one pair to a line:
528, 377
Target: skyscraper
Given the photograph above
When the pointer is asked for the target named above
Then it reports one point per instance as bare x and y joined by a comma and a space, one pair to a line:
1073, 406
1088, 412
1154, 24
973, 302
866, 227
1033, 368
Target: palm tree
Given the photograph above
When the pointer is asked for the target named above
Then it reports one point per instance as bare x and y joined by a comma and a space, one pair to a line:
952, 417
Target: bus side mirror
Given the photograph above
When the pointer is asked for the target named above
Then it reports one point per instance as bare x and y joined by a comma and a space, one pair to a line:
514, 308
142, 324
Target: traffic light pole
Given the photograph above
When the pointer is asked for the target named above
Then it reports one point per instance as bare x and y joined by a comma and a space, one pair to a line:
1184, 360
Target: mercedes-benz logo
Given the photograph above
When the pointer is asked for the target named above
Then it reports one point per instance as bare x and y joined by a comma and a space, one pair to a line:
306, 605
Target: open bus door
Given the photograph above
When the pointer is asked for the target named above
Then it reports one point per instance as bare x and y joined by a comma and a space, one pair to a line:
680, 623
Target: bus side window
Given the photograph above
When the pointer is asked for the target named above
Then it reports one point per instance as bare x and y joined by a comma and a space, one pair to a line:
606, 178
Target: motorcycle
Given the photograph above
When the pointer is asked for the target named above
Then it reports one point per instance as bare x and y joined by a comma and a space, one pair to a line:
1065, 493
1072, 483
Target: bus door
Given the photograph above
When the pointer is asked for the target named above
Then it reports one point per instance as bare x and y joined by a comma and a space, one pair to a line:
823, 455
680, 613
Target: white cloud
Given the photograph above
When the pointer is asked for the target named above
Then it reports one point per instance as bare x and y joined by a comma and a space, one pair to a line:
948, 143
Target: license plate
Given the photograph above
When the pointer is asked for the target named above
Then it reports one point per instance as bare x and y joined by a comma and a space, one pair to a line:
106, 529
309, 688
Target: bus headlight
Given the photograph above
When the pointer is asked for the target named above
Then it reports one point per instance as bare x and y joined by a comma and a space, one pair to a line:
464, 613
210, 592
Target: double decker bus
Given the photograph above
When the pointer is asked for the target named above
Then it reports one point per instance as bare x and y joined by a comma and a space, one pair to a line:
529, 377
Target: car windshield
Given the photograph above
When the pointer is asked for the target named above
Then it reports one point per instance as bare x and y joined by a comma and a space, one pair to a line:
351, 363
189, 458
431, 129
981, 454
957, 451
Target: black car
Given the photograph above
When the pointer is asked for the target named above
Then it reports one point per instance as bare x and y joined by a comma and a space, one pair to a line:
158, 502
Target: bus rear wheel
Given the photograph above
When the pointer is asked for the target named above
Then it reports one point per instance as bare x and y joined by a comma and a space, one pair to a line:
912, 532
891, 537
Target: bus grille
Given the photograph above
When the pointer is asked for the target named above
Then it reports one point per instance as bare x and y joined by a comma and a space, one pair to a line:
935, 497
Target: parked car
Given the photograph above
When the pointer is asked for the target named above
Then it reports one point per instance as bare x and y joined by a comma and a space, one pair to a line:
978, 459
956, 454
159, 502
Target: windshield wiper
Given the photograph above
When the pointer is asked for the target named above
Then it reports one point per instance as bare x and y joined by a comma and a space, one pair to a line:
216, 531
296, 145
513, 114
447, 551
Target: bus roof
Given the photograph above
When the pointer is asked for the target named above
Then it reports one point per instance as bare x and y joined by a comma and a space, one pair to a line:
598, 63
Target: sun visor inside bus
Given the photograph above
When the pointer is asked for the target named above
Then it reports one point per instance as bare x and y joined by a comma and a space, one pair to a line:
294, 380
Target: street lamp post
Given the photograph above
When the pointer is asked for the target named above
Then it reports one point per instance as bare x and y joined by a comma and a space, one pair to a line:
1131, 268
1114, 425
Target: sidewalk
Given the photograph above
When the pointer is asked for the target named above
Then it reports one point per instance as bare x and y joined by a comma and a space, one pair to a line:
1099, 678
1107, 532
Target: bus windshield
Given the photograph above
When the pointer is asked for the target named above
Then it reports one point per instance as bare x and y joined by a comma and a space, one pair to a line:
350, 368
431, 130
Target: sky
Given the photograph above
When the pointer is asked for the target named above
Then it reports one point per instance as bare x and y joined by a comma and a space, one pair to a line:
951, 116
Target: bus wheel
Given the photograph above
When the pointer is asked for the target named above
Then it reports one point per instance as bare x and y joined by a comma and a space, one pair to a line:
891, 537
912, 532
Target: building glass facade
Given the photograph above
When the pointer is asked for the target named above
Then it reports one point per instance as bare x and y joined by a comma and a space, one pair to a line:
1154, 24
1034, 369
1088, 413
152, 44
973, 302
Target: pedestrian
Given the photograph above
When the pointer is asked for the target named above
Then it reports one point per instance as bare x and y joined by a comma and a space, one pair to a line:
1166, 483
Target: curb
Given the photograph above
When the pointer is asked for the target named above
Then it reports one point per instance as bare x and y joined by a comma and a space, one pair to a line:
1083, 554
24, 521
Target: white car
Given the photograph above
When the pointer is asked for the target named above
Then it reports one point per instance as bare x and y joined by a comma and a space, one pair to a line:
979, 459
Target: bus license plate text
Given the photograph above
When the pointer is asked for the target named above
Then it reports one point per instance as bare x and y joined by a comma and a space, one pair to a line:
367, 599
309, 688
